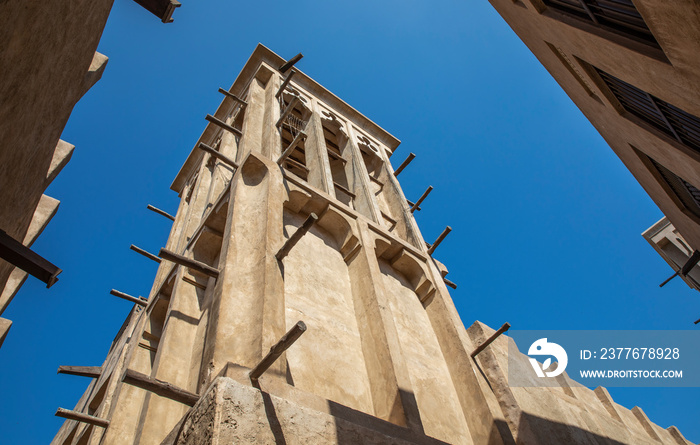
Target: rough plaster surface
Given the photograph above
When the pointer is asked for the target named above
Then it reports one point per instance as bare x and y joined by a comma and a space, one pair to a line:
233, 413
328, 359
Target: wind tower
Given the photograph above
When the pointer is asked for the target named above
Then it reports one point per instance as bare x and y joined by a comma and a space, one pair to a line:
296, 300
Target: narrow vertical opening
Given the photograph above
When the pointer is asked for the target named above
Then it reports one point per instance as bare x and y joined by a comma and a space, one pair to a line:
333, 140
291, 127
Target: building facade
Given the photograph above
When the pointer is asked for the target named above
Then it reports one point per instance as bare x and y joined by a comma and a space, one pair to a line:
48, 61
674, 249
291, 212
632, 68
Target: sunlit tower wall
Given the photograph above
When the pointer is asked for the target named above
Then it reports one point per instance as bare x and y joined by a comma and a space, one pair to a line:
291, 212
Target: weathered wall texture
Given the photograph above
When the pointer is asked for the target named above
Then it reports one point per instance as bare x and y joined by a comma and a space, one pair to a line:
567, 414
385, 357
48, 61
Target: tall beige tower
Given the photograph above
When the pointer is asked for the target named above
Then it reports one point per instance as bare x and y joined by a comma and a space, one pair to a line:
291, 212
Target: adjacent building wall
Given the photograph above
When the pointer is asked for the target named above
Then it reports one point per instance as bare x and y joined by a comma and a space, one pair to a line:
575, 50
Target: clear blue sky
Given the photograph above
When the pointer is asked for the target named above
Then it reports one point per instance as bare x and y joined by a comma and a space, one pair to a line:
546, 220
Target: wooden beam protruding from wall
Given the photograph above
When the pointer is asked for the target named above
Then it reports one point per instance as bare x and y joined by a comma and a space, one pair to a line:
127, 297
82, 371
160, 212
224, 125
159, 387
285, 82
296, 236
290, 63
233, 96
288, 151
425, 194
22, 257
287, 110
189, 263
490, 340
81, 417
404, 164
437, 242
144, 253
223, 158
277, 349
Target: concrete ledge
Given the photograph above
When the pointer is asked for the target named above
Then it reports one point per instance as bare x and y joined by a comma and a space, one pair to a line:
233, 412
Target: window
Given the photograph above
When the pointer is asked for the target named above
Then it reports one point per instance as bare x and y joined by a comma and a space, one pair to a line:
619, 16
292, 128
338, 164
686, 193
678, 124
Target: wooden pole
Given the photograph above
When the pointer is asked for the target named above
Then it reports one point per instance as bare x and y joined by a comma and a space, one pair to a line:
697, 321
404, 164
81, 417
420, 200
296, 236
159, 387
450, 283
127, 297
225, 159
285, 82
301, 135
290, 63
437, 242
233, 96
82, 371
223, 125
161, 212
277, 349
22, 257
189, 263
287, 110
194, 283
144, 253
490, 340
670, 278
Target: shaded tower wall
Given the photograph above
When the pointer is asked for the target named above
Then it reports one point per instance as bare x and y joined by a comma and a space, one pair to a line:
385, 358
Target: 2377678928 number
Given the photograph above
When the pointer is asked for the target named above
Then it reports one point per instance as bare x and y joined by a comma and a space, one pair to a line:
639, 353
